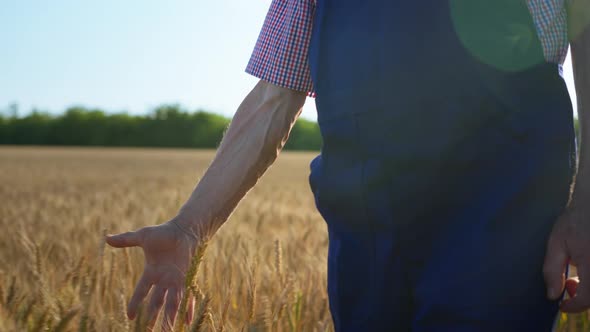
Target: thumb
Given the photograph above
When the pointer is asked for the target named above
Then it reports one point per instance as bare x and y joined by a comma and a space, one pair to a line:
556, 261
123, 240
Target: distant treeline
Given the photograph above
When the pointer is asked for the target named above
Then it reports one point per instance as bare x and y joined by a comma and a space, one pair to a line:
165, 126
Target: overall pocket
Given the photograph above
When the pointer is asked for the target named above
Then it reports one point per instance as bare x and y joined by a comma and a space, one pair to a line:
336, 178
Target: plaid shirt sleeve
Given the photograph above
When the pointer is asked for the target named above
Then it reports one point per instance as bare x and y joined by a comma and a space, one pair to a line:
550, 18
281, 52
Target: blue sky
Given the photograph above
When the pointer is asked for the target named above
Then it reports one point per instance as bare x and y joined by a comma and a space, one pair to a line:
130, 55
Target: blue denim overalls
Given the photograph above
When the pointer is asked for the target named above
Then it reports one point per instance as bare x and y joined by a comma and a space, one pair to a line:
448, 154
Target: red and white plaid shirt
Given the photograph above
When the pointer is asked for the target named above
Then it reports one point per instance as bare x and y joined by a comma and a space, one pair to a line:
280, 55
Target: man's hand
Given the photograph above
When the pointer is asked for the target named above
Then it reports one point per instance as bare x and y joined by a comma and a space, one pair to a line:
570, 239
570, 243
167, 251
253, 141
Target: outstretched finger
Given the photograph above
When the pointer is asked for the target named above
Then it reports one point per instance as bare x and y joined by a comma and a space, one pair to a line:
156, 302
172, 302
141, 290
581, 299
123, 240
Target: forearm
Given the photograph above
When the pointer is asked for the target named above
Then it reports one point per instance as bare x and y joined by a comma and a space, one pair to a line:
579, 27
252, 142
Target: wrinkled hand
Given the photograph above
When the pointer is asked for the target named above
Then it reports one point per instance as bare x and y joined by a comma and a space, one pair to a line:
570, 243
167, 251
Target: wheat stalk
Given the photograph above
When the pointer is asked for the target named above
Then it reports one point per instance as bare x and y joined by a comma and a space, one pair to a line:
202, 314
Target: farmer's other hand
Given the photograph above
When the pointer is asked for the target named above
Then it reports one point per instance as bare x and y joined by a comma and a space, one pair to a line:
569, 242
168, 250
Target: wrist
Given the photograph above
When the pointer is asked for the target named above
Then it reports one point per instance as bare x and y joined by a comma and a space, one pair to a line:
578, 200
192, 224
580, 195
185, 230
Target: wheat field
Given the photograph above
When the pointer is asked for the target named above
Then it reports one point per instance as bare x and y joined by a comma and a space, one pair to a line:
264, 271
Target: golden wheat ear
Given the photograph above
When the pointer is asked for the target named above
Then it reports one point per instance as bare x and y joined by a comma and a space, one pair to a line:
190, 285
